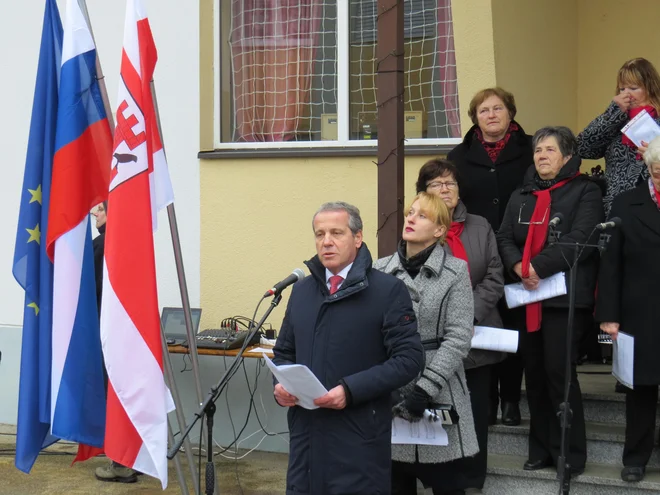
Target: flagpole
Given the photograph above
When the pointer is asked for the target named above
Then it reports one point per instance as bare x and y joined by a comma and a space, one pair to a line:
106, 104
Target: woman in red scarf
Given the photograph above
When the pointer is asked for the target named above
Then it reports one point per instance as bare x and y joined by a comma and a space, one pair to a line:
471, 238
553, 186
637, 89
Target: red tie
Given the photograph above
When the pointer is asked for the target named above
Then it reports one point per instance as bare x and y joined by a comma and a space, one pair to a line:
335, 282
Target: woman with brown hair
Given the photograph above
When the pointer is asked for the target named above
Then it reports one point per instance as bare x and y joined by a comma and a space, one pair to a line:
637, 89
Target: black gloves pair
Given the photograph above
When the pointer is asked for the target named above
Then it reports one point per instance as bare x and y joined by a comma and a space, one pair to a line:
412, 407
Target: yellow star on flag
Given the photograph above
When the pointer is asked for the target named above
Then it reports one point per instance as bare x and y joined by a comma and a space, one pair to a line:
35, 307
36, 194
35, 234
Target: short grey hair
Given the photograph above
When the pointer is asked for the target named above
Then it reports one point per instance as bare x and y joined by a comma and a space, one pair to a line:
565, 138
354, 219
652, 154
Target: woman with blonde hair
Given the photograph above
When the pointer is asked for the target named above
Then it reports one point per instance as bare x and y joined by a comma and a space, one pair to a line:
440, 288
637, 89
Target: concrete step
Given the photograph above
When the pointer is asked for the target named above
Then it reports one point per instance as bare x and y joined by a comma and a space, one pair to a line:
604, 442
506, 477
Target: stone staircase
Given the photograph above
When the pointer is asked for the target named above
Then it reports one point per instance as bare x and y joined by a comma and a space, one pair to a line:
605, 421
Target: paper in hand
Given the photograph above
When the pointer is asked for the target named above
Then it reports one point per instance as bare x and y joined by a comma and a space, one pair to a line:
641, 128
298, 380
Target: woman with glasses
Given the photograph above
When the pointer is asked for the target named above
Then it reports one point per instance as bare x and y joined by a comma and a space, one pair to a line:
471, 238
492, 161
554, 186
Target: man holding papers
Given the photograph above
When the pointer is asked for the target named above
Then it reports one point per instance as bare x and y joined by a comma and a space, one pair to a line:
553, 186
356, 330
628, 301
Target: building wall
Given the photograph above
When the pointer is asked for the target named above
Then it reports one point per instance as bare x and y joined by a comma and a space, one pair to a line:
176, 30
537, 60
256, 223
606, 39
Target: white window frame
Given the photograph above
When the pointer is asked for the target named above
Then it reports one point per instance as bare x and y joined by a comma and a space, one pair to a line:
343, 114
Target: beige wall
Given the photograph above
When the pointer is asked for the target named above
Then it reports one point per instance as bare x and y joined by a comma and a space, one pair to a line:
536, 59
256, 213
256, 222
610, 33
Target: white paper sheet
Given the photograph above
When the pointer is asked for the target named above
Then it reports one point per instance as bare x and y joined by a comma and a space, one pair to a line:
641, 128
623, 358
298, 380
553, 286
423, 432
495, 339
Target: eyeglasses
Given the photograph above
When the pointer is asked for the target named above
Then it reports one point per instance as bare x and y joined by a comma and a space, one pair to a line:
522, 206
451, 185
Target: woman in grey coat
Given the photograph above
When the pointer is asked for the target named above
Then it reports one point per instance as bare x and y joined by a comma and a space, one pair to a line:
472, 239
439, 285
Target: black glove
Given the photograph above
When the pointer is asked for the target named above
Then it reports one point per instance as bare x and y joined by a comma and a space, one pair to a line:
413, 406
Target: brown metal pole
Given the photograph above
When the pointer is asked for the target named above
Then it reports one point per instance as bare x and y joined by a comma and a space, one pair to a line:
389, 60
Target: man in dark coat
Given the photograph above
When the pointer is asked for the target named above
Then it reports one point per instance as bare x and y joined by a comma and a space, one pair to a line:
356, 330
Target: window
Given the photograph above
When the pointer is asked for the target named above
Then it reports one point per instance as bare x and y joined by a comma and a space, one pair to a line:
302, 72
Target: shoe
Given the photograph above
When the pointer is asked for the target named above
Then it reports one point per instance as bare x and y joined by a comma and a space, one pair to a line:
117, 473
620, 388
531, 465
575, 472
633, 473
510, 414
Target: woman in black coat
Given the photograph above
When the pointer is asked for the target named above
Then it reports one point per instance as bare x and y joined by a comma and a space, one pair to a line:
492, 161
471, 238
556, 186
627, 300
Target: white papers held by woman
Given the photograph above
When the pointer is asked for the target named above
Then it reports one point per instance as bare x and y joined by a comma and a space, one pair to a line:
495, 339
426, 431
552, 286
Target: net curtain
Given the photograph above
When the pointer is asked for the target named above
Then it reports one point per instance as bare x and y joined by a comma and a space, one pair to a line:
447, 65
272, 52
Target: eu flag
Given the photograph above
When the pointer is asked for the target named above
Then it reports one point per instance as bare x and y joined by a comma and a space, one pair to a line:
32, 268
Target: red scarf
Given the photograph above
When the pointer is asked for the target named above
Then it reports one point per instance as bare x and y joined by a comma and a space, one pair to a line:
536, 236
454, 241
631, 114
657, 197
494, 149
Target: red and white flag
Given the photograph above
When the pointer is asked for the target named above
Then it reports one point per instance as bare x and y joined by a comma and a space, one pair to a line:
138, 399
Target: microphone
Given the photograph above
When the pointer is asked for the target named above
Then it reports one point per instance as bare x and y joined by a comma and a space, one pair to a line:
296, 275
556, 219
612, 223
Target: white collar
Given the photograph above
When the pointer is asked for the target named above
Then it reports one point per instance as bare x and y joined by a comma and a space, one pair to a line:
343, 274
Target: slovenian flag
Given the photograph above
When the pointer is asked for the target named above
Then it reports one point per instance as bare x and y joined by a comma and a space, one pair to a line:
138, 398
80, 177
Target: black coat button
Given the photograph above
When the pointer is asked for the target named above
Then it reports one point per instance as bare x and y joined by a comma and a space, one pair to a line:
495, 201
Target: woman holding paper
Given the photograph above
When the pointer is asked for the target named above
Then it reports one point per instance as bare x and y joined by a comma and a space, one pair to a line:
471, 238
555, 186
441, 292
637, 90
627, 300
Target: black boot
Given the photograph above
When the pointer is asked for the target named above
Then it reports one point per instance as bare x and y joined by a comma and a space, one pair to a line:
510, 414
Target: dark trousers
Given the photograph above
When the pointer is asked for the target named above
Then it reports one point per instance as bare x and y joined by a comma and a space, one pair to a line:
545, 370
473, 469
506, 376
405, 476
641, 406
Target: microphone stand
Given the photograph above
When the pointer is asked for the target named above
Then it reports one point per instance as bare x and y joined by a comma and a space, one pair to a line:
207, 408
565, 413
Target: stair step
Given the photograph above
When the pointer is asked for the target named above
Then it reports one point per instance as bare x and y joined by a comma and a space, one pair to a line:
506, 476
604, 442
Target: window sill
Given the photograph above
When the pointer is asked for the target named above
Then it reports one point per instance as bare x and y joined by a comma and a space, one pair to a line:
321, 152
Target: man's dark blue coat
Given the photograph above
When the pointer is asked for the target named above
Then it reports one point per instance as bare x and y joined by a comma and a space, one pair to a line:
364, 336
